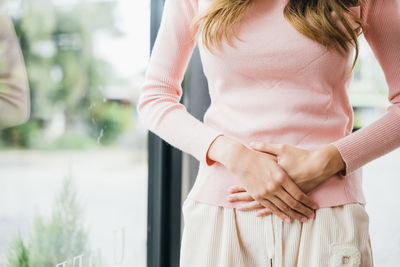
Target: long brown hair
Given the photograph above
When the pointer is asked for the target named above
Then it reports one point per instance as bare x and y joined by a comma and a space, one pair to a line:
222, 16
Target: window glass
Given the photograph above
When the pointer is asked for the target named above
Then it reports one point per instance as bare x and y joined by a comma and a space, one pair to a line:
73, 179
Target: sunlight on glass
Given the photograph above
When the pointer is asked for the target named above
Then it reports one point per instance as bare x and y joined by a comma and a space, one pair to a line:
73, 186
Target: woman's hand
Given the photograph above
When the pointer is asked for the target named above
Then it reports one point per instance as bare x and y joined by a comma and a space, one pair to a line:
267, 183
307, 168
239, 193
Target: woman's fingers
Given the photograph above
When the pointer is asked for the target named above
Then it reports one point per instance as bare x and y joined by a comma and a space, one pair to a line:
272, 206
236, 188
299, 210
288, 210
263, 212
284, 202
240, 196
291, 187
255, 205
282, 199
285, 208
250, 206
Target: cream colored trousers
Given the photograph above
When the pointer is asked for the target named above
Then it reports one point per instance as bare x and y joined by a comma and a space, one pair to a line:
215, 236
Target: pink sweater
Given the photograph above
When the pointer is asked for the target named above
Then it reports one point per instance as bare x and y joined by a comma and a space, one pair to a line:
277, 86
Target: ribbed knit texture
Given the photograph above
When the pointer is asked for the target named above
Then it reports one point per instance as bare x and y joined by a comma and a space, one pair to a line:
383, 135
159, 105
273, 85
224, 237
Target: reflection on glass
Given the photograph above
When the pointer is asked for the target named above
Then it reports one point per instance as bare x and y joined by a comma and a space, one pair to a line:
73, 178
14, 90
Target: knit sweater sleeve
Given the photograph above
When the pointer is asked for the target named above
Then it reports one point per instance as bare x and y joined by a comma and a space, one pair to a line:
383, 135
158, 106
14, 89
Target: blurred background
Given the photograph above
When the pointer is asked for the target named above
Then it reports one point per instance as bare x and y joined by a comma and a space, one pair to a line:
73, 179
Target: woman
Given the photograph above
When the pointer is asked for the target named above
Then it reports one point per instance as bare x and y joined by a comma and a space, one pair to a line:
277, 73
14, 89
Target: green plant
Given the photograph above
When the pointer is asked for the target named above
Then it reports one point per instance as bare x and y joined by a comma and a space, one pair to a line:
18, 254
61, 237
23, 135
57, 239
109, 120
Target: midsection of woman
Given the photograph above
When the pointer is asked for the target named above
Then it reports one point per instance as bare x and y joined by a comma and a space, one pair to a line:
277, 86
274, 85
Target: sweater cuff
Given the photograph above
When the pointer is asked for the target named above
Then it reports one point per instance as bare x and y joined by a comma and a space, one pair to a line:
209, 161
348, 155
370, 142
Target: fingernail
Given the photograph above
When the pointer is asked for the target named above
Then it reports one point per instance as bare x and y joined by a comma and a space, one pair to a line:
255, 144
312, 216
287, 219
303, 219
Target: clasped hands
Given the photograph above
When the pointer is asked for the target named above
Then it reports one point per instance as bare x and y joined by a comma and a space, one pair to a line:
277, 178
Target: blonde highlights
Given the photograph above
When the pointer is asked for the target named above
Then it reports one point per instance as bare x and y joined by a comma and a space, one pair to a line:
222, 16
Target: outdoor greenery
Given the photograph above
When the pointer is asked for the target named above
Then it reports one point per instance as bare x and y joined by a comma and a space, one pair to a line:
57, 239
18, 254
66, 78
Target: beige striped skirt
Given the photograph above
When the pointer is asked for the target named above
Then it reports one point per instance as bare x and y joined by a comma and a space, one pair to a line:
216, 236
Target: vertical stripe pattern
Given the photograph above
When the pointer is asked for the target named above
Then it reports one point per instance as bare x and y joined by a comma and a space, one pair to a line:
217, 236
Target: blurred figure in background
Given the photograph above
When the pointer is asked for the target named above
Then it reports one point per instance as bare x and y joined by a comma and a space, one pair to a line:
14, 89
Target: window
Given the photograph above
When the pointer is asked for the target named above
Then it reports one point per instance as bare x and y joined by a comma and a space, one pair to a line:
73, 187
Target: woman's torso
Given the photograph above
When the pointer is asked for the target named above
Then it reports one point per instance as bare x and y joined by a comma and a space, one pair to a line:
277, 86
